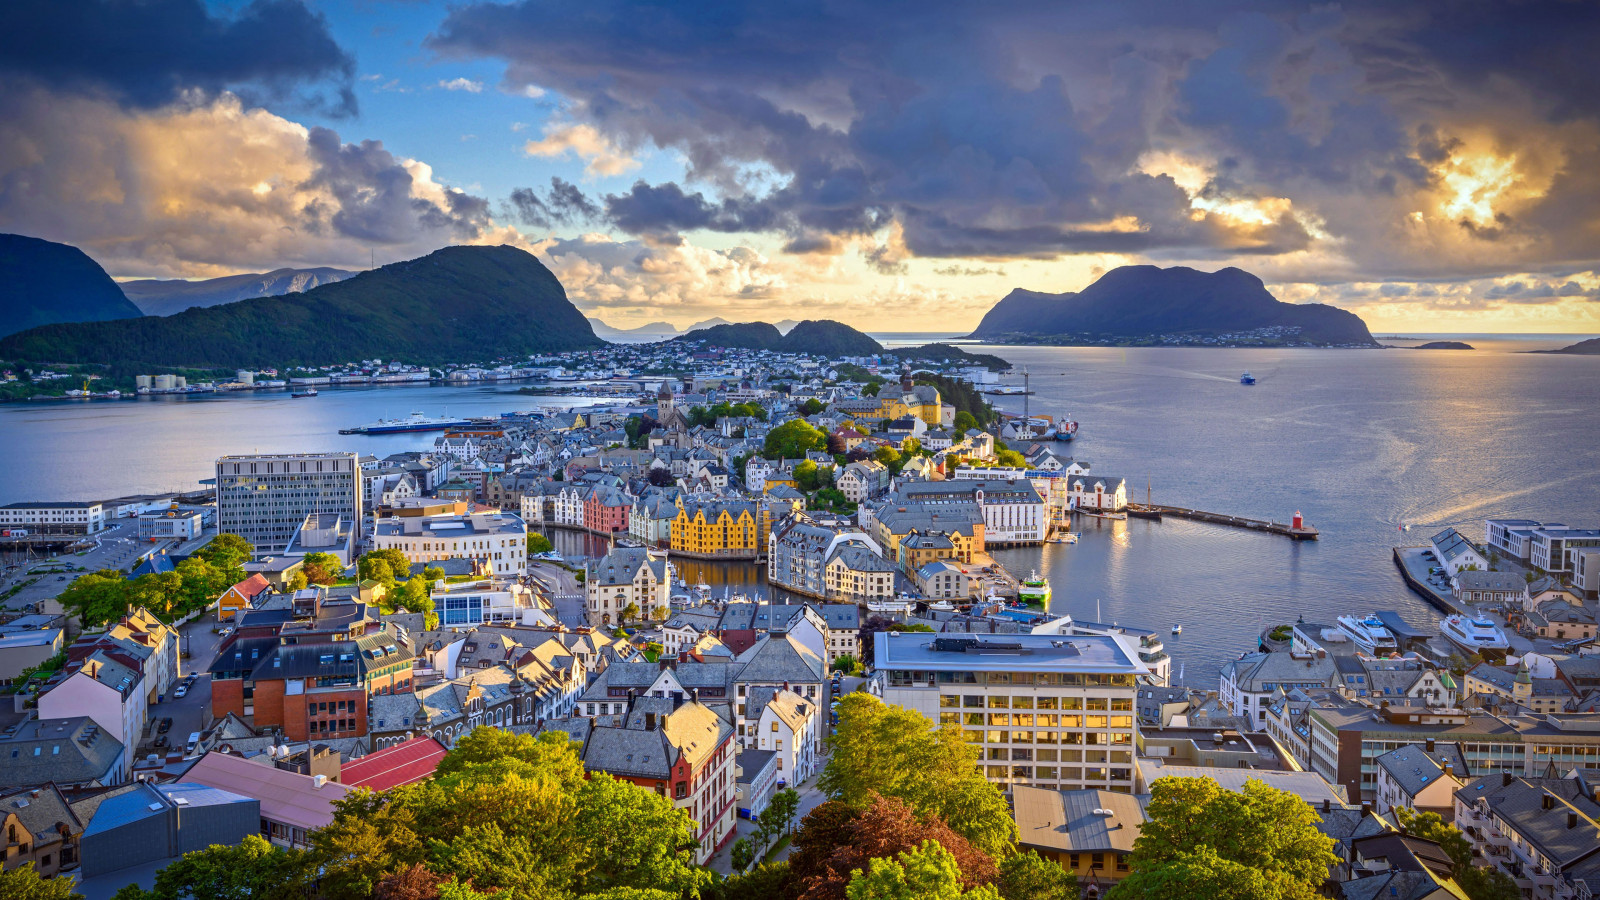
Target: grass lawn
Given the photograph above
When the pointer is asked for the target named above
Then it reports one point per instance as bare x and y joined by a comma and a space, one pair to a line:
772, 855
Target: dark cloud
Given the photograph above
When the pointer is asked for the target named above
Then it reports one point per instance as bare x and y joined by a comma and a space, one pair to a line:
151, 52
564, 204
1023, 130
374, 195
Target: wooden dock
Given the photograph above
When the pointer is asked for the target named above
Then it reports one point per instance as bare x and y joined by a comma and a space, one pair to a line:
1288, 530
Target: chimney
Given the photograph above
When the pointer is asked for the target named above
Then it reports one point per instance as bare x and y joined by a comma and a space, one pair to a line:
1366, 808
1449, 768
317, 781
1430, 745
1327, 805
1505, 779
1547, 801
649, 721
1572, 820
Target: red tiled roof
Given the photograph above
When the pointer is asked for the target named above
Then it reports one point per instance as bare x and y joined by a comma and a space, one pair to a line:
391, 767
253, 585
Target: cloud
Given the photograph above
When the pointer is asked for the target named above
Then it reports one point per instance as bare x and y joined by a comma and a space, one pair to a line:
563, 204
462, 84
151, 53
1357, 140
602, 157
211, 188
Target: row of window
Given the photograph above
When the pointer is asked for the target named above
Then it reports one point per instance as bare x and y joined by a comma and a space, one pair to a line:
1031, 720
1047, 737
1026, 701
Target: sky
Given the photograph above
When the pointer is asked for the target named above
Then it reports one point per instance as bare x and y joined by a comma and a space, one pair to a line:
898, 166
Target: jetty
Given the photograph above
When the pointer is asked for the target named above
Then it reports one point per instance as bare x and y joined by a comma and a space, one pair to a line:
1414, 569
1295, 529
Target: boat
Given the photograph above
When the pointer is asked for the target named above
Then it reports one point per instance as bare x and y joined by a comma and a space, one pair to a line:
1006, 390
414, 422
1369, 634
1177, 629
308, 392
1143, 511
1065, 537
1247, 378
1103, 514
1474, 634
702, 591
1066, 430
1034, 590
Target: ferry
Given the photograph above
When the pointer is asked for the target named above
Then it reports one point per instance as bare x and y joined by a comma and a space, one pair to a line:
414, 422
1474, 634
1006, 390
1034, 590
308, 392
1247, 378
1369, 634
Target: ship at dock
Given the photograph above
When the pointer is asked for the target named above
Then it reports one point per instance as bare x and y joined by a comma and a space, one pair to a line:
414, 422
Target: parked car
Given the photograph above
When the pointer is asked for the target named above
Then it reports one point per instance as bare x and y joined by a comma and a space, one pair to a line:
160, 742
165, 726
178, 694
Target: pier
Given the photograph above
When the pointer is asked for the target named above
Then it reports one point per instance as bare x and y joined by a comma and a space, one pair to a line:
1296, 530
1414, 569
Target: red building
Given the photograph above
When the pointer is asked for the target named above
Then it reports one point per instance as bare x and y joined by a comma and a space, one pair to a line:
606, 510
309, 669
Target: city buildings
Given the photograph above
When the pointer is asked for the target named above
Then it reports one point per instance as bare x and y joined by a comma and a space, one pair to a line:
266, 499
53, 518
626, 577
499, 539
1046, 711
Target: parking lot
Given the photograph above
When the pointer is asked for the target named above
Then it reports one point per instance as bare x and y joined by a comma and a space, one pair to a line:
114, 548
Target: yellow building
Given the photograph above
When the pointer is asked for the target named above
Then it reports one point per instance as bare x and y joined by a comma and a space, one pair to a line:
1087, 832
961, 526
720, 528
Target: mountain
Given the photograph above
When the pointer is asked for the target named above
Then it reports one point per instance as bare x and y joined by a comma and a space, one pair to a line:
1143, 302
655, 331
819, 337
454, 305
163, 298
1591, 347
42, 282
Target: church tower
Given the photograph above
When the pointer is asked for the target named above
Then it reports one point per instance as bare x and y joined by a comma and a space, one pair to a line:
906, 384
664, 403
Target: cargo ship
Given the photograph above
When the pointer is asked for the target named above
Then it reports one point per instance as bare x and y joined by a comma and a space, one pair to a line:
414, 422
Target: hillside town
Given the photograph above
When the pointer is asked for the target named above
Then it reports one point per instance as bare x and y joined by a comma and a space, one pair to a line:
242, 659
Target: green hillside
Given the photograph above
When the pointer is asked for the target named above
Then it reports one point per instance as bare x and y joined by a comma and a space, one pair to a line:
42, 282
819, 337
454, 305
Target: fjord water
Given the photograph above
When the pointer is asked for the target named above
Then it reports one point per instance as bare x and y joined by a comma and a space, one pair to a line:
1361, 441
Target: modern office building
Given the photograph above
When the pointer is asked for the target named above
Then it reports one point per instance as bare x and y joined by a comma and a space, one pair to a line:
498, 539
266, 499
1047, 710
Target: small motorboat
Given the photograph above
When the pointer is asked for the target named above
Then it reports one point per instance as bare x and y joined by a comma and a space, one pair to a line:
308, 392
1247, 378
1177, 629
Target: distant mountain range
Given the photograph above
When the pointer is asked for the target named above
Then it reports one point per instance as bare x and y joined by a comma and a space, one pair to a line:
816, 336
1591, 347
1140, 304
42, 282
456, 304
163, 298
663, 331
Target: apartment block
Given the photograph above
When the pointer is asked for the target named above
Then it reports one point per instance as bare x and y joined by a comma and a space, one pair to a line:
266, 499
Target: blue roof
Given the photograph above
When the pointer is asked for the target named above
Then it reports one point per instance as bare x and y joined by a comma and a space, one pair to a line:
158, 564
132, 806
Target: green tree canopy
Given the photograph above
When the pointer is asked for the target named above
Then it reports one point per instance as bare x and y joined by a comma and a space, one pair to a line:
538, 543
1027, 876
927, 873
1267, 832
1480, 883
253, 869
1201, 875
96, 598
964, 421
898, 752
24, 883
322, 568
793, 439
227, 551
811, 406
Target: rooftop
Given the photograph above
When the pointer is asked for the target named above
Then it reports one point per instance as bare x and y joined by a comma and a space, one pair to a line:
954, 652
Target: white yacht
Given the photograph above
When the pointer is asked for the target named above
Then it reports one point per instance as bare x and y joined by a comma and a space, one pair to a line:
1369, 634
1474, 634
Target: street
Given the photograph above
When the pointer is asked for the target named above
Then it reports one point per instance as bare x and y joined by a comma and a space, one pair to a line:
115, 548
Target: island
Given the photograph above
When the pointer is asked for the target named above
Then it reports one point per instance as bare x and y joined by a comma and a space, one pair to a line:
1150, 306
1444, 345
1591, 347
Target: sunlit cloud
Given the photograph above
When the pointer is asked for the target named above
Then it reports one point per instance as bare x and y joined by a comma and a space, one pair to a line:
601, 156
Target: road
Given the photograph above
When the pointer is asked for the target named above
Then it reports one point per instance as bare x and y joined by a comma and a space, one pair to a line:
115, 548
190, 712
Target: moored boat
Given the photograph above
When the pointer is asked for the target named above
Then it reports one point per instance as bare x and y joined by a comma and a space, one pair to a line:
414, 422
308, 392
1034, 590
1369, 633
1247, 378
1474, 634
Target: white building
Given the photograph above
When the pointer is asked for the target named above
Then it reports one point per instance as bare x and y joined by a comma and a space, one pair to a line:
626, 576
110, 693
54, 518
489, 602
1098, 492
499, 539
265, 499
1046, 711
789, 725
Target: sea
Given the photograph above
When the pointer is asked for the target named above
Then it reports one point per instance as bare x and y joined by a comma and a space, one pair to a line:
1363, 443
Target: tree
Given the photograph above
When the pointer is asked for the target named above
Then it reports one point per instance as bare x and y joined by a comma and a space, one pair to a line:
661, 476
847, 664
24, 883
1262, 829
253, 869
765, 882
630, 612
538, 543
805, 476
927, 873
385, 566
1479, 883
793, 439
156, 591
890, 457
433, 574
1027, 876
550, 753
811, 406
322, 568
964, 422
778, 817
838, 840
898, 753
297, 581
743, 854
226, 551
910, 447
96, 598
1200, 875
660, 614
